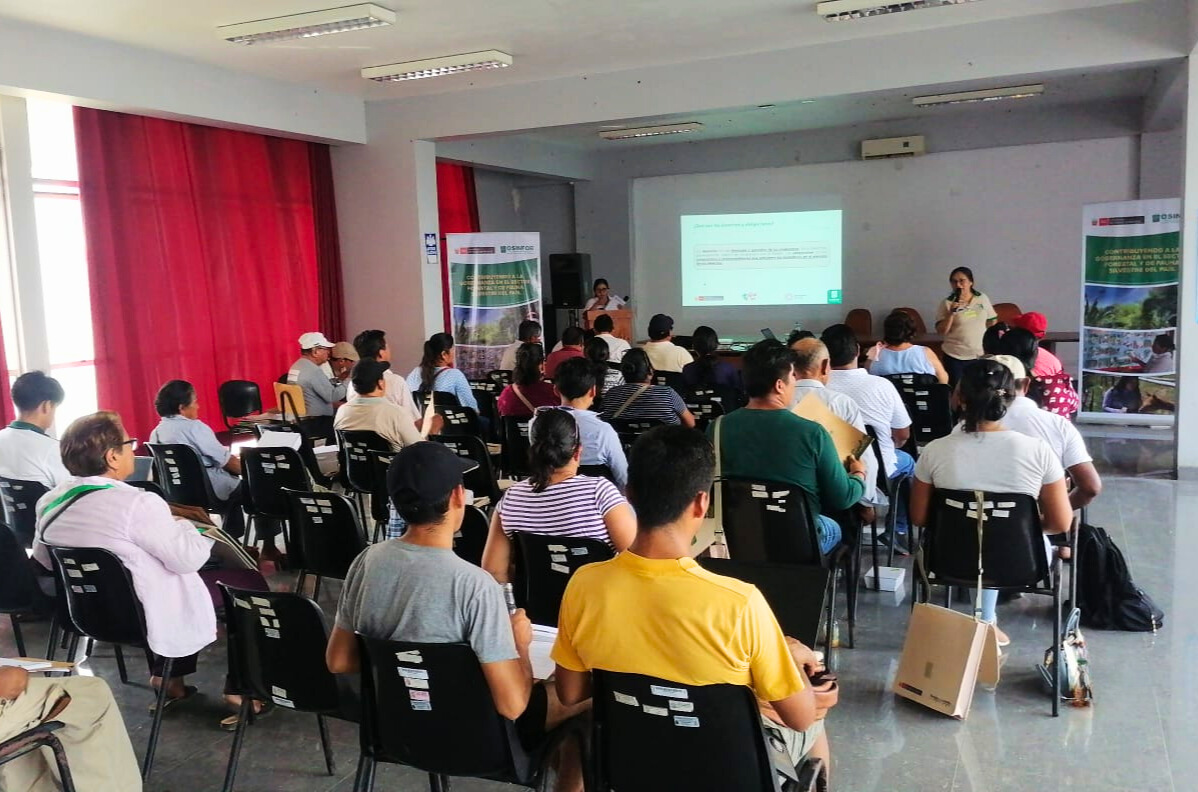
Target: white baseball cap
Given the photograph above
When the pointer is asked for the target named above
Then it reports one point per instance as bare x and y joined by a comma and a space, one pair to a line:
313, 340
1011, 362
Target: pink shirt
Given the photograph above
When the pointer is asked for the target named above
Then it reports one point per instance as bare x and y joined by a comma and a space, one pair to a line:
1047, 364
163, 556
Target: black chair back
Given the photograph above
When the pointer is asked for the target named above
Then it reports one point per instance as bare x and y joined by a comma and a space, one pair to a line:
19, 592
1013, 554
149, 486
713, 731
276, 643
237, 399
486, 393
306, 452
180, 472
500, 377
769, 521
672, 379
515, 447
440, 399
101, 600
20, 513
267, 472
928, 403
728, 398
357, 450
797, 594
414, 695
705, 411
327, 531
471, 539
599, 471
459, 420
481, 481
544, 565
628, 431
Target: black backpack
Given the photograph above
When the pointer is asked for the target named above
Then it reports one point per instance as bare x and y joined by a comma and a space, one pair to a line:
1107, 596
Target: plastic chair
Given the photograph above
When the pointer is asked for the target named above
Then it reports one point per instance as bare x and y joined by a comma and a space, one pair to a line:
19, 592
237, 399
894, 489
486, 393
481, 481
180, 472
500, 377
705, 411
628, 431
148, 486
1012, 555
515, 447
459, 420
103, 606
471, 539
357, 450
276, 643
544, 565
598, 471
796, 594
404, 724
328, 532
920, 327
306, 452
40, 736
861, 322
771, 521
1006, 311
728, 398
267, 472
672, 379
928, 403
717, 738
20, 501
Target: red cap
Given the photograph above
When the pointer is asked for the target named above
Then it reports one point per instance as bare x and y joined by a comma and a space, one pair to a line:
1035, 323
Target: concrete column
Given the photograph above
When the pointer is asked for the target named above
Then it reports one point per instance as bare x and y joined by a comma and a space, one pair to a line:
1187, 317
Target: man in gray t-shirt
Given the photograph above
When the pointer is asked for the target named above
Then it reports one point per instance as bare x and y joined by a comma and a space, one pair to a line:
320, 392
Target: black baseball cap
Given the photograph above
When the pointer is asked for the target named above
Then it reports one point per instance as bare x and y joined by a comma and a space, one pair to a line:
366, 374
660, 326
425, 473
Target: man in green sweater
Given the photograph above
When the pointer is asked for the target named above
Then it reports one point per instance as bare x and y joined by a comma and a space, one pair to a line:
765, 440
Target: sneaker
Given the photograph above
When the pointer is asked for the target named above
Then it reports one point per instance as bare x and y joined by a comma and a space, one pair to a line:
900, 542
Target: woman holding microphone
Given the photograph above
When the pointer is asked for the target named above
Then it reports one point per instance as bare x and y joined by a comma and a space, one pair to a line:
962, 319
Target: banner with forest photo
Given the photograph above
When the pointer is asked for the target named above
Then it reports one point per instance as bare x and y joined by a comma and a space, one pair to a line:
494, 285
1129, 311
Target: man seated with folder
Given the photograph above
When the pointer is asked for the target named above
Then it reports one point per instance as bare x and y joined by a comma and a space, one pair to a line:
765, 440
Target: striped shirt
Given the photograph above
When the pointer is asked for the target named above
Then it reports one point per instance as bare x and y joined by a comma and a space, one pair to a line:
657, 403
574, 507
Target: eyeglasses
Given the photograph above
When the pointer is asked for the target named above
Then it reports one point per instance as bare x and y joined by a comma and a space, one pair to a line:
568, 411
131, 442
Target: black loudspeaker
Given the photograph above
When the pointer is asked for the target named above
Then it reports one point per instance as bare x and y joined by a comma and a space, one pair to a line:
570, 279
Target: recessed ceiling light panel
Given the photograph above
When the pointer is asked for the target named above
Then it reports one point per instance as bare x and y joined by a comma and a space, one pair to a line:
984, 95
308, 25
841, 10
438, 67
650, 131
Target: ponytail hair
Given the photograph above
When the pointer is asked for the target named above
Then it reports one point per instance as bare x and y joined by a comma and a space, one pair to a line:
553, 439
436, 346
597, 351
529, 360
985, 392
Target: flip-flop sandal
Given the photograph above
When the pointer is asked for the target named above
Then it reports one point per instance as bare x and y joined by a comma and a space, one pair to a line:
188, 692
230, 723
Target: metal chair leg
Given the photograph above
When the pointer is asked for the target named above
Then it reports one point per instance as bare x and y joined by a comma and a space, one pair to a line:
16, 634
316, 589
1056, 644
300, 580
360, 774
60, 759
831, 625
152, 745
243, 719
873, 546
72, 647
52, 644
853, 587
120, 663
329, 762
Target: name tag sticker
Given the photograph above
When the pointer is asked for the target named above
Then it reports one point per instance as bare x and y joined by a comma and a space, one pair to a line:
668, 692
260, 602
1001, 513
624, 698
421, 684
760, 494
91, 567
75, 573
775, 507
780, 494
275, 690
557, 558
655, 710
687, 721
954, 503
556, 548
565, 570
427, 706
412, 673
271, 632
682, 706
579, 551
242, 603
282, 702
418, 695
1006, 504
411, 656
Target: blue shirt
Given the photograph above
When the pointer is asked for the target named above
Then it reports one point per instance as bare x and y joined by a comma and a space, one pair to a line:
912, 360
178, 430
600, 445
448, 380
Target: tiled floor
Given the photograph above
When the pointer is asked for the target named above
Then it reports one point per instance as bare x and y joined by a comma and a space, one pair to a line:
1138, 735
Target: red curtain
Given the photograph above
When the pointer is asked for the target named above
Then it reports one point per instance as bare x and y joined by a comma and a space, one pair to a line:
8, 411
202, 254
328, 244
457, 213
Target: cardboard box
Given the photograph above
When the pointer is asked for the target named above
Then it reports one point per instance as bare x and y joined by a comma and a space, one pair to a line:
945, 654
890, 578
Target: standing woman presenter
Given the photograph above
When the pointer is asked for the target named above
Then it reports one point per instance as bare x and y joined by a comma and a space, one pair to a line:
603, 299
962, 319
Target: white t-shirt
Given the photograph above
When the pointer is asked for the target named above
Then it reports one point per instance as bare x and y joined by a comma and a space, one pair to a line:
667, 356
1003, 461
616, 347
30, 455
614, 303
881, 407
1026, 417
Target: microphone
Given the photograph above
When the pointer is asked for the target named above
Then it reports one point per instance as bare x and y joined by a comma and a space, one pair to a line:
956, 295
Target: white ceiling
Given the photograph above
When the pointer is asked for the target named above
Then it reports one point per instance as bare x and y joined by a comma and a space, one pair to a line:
1061, 89
548, 38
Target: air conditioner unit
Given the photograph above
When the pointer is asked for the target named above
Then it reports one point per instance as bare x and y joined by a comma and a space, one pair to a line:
882, 148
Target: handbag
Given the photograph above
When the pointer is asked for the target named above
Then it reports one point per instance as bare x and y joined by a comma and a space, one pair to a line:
1075, 664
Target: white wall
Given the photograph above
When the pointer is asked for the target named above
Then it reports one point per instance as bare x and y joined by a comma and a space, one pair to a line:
1012, 214
513, 202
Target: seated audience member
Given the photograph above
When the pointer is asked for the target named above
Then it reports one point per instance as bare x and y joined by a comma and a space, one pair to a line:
606, 376
321, 394
342, 360
1047, 364
988, 456
880, 403
373, 412
652, 610
575, 384
436, 373
707, 369
572, 341
638, 399
663, 353
529, 332
1053, 392
528, 390
416, 589
27, 451
555, 500
93, 735
97, 508
768, 441
895, 354
992, 336
179, 408
798, 335
1026, 417
616, 347
1123, 397
813, 369
372, 345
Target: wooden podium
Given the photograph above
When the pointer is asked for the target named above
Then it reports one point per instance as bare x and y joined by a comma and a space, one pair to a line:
622, 319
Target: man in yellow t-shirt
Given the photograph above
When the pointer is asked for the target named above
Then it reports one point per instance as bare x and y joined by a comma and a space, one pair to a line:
652, 610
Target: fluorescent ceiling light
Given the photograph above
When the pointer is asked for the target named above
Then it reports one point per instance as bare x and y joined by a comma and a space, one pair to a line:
438, 67
985, 95
308, 25
650, 131
837, 10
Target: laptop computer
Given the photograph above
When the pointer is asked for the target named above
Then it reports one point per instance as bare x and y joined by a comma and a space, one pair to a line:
142, 466
768, 334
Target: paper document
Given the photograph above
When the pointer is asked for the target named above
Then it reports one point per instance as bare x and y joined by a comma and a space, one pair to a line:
280, 440
543, 639
28, 665
845, 436
430, 409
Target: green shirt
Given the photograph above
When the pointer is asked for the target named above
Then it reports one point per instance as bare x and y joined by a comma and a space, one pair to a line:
778, 445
